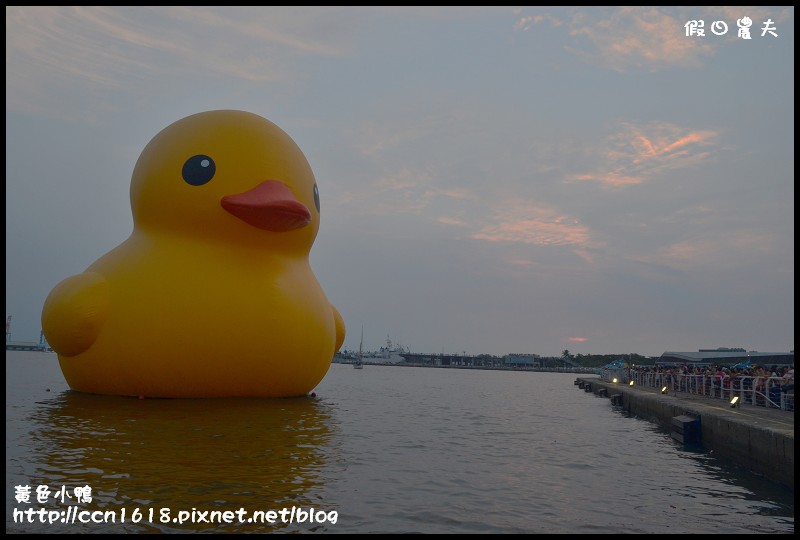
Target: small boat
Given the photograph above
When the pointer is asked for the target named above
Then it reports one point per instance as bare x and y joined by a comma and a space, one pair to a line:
357, 361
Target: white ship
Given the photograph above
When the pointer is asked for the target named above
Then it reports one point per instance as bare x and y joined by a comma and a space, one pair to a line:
391, 353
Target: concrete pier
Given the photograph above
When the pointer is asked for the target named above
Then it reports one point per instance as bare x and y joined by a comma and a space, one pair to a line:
755, 437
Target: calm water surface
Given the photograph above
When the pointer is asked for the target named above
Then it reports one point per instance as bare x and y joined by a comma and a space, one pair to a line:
383, 450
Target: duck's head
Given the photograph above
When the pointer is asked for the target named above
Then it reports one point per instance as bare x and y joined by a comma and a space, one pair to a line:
227, 175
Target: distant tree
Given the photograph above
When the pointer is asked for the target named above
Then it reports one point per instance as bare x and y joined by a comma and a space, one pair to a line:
565, 354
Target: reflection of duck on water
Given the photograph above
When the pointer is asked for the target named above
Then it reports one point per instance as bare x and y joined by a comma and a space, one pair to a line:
221, 454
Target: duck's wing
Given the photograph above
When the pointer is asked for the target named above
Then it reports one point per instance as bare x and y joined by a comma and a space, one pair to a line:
340, 329
74, 313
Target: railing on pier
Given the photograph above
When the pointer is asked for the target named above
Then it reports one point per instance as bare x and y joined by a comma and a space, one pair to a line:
758, 391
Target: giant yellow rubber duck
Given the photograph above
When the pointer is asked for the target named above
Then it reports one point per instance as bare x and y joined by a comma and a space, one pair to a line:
212, 295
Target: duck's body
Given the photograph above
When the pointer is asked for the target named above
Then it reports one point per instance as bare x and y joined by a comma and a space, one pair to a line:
206, 298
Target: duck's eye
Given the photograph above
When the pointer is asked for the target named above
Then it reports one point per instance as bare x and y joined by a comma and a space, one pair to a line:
316, 197
198, 170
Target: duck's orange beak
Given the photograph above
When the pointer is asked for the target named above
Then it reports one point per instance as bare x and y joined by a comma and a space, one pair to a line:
270, 205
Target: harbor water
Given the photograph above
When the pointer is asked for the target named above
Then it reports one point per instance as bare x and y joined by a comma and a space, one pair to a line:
385, 449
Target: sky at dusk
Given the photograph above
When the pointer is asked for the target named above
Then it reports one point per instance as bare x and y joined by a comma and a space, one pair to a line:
493, 180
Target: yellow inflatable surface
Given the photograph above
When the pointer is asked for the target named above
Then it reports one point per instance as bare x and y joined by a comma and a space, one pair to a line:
212, 295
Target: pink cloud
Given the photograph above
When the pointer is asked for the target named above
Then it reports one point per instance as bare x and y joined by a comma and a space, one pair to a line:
558, 231
638, 153
638, 37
